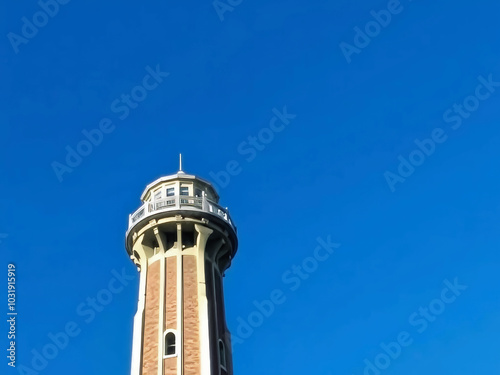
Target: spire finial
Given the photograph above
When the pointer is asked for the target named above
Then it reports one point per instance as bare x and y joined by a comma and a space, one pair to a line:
180, 162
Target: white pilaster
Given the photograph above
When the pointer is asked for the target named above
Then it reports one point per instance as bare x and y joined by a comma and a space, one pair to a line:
203, 234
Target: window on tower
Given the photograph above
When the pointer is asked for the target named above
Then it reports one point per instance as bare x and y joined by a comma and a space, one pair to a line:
222, 354
170, 193
184, 191
158, 194
170, 348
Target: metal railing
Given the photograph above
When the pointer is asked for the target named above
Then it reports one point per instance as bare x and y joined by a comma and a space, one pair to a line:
180, 202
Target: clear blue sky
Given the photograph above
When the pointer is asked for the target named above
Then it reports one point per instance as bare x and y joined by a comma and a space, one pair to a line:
430, 72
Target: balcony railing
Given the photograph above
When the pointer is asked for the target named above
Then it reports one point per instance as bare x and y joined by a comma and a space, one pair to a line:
180, 202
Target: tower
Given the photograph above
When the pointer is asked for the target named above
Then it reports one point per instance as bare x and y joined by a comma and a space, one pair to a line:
182, 241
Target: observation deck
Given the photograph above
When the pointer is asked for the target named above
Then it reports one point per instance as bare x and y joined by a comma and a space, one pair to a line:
179, 194
180, 203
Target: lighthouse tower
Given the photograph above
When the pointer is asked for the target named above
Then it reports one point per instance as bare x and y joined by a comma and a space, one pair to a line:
182, 241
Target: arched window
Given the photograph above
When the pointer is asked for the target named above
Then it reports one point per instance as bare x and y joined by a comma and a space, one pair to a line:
170, 348
222, 354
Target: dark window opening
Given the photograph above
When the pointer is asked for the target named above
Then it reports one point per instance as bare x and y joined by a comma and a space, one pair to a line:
170, 343
222, 353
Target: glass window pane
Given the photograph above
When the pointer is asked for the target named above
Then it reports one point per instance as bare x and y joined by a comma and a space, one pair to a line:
170, 343
222, 353
170, 192
184, 190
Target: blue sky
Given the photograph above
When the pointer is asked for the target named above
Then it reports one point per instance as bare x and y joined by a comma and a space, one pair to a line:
389, 150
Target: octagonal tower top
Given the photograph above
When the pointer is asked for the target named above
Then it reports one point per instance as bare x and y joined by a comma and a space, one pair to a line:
179, 194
